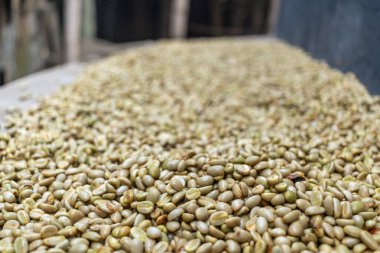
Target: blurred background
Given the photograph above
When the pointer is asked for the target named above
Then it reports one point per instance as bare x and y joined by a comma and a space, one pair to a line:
38, 34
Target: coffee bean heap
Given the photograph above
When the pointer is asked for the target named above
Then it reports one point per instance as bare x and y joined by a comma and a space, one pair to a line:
203, 146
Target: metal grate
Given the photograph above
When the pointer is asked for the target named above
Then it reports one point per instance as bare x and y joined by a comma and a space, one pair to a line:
130, 20
228, 17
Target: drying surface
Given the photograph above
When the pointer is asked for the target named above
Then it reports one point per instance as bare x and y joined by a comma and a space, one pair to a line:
243, 146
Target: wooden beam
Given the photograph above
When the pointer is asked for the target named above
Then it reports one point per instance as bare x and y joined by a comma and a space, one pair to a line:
2, 26
179, 18
73, 10
274, 10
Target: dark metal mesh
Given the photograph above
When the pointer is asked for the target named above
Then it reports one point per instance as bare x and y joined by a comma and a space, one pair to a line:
130, 20
228, 17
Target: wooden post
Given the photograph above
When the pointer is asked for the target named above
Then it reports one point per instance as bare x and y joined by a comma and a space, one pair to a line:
2, 26
179, 18
273, 15
73, 10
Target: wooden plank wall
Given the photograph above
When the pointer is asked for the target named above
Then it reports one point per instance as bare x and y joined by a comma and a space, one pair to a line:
30, 37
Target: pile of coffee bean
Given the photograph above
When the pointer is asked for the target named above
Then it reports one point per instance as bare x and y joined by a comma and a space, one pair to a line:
202, 146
